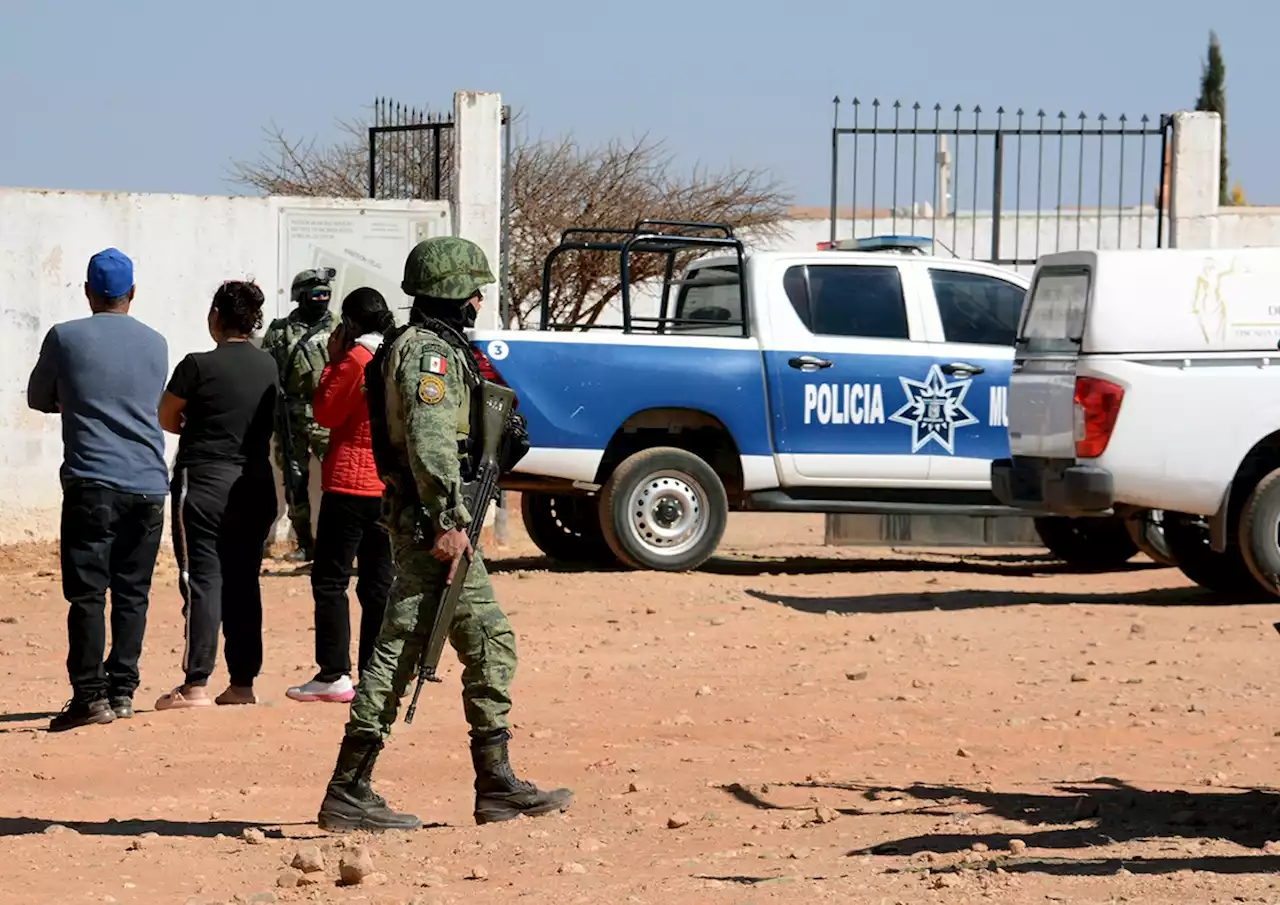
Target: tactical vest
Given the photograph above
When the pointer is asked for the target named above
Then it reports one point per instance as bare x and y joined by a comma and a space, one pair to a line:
300, 366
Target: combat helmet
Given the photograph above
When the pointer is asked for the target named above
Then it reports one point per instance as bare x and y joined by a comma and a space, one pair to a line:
446, 267
308, 280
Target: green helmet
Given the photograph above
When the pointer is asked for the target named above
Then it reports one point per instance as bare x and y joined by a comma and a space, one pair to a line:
446, 267
311, 279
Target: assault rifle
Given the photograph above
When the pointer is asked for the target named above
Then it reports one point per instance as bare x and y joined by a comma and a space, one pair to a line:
496, 402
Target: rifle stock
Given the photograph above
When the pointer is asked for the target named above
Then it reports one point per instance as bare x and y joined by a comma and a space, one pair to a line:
288, 471
496, 402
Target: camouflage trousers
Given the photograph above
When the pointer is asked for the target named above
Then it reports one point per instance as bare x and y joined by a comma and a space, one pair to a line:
306, 440
480, 634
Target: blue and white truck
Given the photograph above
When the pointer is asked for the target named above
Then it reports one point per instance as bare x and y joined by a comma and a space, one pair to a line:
872, 380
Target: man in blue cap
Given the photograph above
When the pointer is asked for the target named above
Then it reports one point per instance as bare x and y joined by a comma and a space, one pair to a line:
105, 374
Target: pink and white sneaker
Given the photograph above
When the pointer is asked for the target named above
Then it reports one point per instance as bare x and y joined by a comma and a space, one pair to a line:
338, 692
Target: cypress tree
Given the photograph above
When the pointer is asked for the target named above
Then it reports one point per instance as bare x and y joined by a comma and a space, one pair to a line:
1213, 98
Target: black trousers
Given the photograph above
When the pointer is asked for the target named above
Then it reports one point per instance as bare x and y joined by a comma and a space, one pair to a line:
109, 540
348, 530
221, 516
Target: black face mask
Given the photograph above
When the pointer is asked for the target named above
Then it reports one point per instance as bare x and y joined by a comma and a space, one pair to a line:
460, 315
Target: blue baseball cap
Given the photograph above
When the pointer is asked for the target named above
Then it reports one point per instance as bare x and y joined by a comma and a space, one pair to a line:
110, 274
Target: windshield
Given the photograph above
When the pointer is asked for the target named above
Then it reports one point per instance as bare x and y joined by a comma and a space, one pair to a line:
1056, 309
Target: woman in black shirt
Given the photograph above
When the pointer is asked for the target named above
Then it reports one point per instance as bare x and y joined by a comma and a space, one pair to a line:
221, 403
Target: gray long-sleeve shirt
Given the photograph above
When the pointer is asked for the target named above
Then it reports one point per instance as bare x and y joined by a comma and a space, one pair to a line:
106, 373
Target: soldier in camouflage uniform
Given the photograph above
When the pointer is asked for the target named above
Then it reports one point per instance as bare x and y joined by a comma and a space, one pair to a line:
299, 344
425, 375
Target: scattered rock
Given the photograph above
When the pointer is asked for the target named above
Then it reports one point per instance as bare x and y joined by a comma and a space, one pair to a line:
857, 675
963, 752
55, 829
541, 734
478, 873
311, 879
1271, 848
650, 611
355, 866
675, 821
1079, 677
571, 867
257, 898
308, 859
253, 835
799, 854
590, 845
289, 878
826, 815
889, 795
136, 845
718, 620
980, 847
638, 785
703, 692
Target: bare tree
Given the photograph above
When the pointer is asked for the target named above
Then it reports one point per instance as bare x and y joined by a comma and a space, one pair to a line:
555, 185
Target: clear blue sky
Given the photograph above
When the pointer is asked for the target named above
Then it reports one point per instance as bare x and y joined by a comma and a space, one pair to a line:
145, 95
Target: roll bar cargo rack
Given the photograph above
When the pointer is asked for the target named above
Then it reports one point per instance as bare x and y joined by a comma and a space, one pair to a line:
671, 238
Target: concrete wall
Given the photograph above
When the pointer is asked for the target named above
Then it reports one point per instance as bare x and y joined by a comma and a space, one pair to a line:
182, 246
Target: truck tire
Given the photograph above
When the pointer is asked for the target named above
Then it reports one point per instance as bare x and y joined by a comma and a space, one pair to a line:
1260, 533
565, 528
1146, 530
1224, 572
663, 509
1097, 544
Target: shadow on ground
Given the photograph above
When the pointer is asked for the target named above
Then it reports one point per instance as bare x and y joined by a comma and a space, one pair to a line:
964, 599
1079, 817
1011, 565
33, 826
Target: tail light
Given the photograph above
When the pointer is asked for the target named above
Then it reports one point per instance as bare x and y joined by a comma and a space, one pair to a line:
1097, 405
490, 373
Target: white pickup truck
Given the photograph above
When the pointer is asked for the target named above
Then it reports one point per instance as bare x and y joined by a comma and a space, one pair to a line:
867, 381
1150, 381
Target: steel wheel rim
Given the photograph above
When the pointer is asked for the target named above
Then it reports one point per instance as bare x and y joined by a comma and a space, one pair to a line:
667, 513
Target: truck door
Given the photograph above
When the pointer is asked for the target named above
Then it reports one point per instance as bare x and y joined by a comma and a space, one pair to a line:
841, 335
968, 385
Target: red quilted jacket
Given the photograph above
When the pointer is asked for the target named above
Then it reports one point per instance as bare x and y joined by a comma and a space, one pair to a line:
339, 405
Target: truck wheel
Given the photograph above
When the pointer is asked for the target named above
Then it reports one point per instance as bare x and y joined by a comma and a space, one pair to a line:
663, 509
1224, 572
1146, 530
1095, 544
565, 528
1260, 533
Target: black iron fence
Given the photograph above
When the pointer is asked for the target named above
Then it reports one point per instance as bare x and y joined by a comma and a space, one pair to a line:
410, 153
992, 194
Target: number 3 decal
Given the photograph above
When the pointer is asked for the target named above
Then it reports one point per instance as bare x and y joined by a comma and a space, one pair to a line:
497, 350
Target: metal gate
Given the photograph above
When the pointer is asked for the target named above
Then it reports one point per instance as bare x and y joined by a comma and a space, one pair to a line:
1009, 205
411, 156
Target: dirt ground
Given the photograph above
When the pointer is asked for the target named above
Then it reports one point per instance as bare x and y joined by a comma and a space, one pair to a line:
793, 723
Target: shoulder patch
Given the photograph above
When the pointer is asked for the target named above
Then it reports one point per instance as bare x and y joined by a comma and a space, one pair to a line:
437, 364
431, 389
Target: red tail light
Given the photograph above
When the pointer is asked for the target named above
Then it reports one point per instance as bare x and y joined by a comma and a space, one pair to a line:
489, 372
1097, 405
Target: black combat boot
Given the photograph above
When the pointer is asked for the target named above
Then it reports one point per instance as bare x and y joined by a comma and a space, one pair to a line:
306, 546
499, 794
350, 802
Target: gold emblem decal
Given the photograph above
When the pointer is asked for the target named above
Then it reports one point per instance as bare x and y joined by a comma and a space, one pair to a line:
431, 389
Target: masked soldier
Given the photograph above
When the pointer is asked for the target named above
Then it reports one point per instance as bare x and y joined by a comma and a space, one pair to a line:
420, 386
299, 344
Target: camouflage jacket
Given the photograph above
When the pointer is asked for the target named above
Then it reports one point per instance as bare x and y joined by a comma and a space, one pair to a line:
299, 377
428, 411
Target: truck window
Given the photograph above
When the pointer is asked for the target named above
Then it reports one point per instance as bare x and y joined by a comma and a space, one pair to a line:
849, 300
1056, 309
713, 295
976, 308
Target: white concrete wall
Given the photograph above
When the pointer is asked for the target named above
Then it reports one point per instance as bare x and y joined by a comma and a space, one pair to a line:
182, 247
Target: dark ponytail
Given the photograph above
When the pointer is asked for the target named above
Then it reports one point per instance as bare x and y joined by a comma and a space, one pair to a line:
368, 311
239, 306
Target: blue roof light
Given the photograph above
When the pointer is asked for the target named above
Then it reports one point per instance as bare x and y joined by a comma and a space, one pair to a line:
917, 244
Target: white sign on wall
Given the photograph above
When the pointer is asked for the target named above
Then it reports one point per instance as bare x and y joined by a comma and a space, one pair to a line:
367, 247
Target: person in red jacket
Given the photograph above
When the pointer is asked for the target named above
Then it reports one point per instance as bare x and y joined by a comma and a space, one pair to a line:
348, 527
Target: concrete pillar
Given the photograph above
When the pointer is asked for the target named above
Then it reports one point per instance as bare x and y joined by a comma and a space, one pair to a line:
477, 215
1193, 191
477, 171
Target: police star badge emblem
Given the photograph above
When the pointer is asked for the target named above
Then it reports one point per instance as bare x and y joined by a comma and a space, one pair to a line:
431, 389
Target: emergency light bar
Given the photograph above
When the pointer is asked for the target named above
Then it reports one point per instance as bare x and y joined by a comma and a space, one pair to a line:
918, 245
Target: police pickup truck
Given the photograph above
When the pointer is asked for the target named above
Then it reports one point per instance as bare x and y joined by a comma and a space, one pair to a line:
860, 381
1150, 381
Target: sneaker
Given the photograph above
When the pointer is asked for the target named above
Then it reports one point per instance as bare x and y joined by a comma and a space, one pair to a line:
337, 692
122, 706
82, 713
